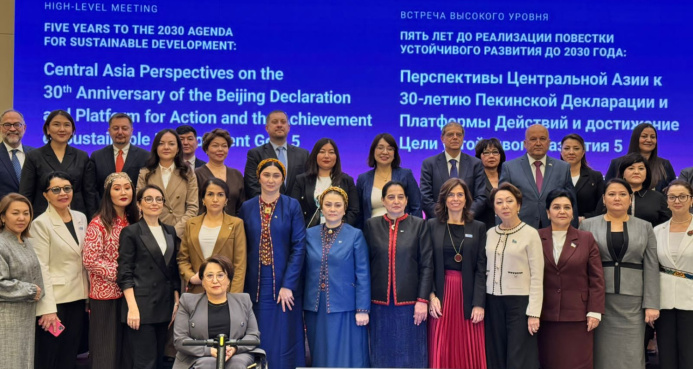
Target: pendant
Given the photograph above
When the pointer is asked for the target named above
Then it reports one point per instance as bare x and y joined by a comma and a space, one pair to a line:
268, 210
329, 231
458, 258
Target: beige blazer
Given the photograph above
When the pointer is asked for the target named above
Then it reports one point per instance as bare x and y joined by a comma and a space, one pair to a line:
181, 197
676, 292
64, 277
230, 243
516, 267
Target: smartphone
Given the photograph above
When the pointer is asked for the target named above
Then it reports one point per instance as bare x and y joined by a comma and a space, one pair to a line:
56, 331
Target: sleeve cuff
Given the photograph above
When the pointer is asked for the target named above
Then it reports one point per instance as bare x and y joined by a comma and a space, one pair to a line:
422, 300
597, 316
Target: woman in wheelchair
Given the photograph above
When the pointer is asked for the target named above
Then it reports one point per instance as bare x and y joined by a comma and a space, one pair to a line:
206, 315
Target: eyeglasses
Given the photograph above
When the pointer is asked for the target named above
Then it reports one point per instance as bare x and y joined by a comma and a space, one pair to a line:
453, 195
152, 199
488, 153
682, 198
17, 125
56, 190
219, 276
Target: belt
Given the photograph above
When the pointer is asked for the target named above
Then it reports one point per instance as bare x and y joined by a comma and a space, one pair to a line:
675, 272
622, 265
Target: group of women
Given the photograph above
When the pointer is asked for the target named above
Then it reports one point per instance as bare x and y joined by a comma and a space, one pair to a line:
353, 268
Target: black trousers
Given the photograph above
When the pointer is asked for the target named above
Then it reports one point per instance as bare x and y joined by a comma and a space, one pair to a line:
61, 352
147, 345
674, 339
508, 342
107, 345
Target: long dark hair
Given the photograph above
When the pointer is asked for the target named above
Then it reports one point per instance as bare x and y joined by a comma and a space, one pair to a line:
441, 209
107, 211
656, 164
153, 161
312, 168
581, 141
390, 141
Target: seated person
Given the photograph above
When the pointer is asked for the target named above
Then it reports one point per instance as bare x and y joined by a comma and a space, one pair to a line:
206, 315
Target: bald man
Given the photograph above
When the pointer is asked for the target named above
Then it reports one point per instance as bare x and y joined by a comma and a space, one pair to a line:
536, 174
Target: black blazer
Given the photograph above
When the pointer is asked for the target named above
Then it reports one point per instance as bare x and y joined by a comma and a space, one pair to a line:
199, 163
8, 178
102, 164
40, 162
152, 275
669, 173
589, 190
488, 213
304, 190
296, 156
473, 263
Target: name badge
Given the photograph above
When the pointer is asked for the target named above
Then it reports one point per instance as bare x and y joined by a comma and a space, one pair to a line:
468, 235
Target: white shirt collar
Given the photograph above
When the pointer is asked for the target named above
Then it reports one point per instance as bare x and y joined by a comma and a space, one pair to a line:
448, 157
20, 148
169, 169
532, 160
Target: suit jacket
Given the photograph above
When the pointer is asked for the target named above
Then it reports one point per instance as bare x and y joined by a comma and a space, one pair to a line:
8, 178
41, 161
574, 286
234, 179
348, 280
519, 174
515, 267
304, 192
488, 214
230, 243
473, 264
589, 190
637, 272
102, 163
364, 189
296, 156
65, 279
192, 324
687, 175
669, 173
152, 275
181, 197
288, 233
677, 292
199, 163
434, 172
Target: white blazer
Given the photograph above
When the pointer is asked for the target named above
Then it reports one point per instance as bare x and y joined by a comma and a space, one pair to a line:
64, 277
677, 292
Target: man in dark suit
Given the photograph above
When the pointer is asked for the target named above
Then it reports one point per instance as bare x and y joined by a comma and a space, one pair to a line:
293, 157
537, 174
12, 152
121, 156
188, 138
452, 163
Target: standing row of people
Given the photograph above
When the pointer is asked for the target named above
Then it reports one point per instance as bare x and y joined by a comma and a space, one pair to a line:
272, 175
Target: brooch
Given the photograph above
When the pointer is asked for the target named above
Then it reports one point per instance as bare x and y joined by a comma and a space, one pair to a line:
690, 233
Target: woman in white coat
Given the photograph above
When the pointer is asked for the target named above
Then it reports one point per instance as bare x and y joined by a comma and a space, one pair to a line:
675, 252
58, 237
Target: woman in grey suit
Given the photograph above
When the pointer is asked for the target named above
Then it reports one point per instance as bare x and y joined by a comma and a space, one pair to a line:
206, 315
631, 271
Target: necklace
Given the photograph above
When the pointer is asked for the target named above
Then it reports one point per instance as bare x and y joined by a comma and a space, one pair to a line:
681, 222
385, 177
458, 255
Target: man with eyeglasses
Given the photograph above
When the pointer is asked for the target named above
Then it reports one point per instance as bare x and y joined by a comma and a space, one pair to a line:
121, 156
12, 152
536, 174
452, 163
